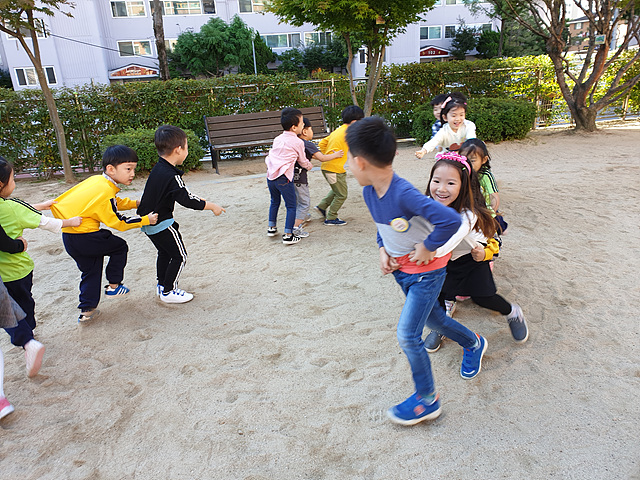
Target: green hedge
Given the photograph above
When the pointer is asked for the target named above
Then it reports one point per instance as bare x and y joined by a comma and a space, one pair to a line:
141, 140
496, 119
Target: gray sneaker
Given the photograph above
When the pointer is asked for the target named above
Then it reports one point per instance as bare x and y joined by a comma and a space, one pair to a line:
518, 324
433, 341
450, 307
299, 232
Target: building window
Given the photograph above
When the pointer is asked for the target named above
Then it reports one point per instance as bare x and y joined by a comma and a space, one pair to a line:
578, 26
283, 40
317, 38
130, 48
430, 33
38, 23
175, 7
208, 7
250, 6
486, 27
170, 44
363, 55
128, 8
449, 31
27, 76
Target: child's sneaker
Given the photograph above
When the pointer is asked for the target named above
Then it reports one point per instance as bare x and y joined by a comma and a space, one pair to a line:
322, 211
415, 410
5, 407
176, 296
449, 307
33, 353
85, 317
335, 221
159, 289
433, 341
272, 231
461, 298
518, 324
290, 239
472, 359
120, 290
299, 232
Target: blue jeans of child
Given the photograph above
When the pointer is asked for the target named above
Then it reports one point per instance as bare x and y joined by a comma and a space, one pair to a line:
421, 307
281, 186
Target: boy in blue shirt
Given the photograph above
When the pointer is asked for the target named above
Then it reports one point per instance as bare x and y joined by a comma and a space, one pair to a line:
411, 228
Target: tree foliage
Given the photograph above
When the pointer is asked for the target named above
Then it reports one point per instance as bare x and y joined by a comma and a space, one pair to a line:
219, 48
488, 44
464, 41
305, 60
579, 77
18, 19
373, 23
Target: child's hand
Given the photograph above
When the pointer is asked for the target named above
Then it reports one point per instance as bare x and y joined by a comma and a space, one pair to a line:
420, 153
216, 209
138, 204
153, 218
24, 242
421, 255
75, 221
387, 264
44, 205
478, 253
338, 154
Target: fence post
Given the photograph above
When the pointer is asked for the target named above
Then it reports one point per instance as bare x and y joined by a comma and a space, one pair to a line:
536, 122
625, 106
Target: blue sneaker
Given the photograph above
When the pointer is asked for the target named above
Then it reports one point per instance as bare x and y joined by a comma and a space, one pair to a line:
335, 221
120, 290
472, 359
415, 410
322, 211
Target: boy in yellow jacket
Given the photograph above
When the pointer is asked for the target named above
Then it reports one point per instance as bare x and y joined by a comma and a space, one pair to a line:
95, 201
333, 170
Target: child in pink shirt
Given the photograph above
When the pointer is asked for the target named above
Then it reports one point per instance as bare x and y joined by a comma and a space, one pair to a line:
286, 151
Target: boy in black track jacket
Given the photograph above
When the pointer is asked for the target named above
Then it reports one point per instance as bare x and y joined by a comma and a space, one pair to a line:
164, 187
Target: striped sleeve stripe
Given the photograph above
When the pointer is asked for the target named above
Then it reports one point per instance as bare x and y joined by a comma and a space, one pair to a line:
25, 204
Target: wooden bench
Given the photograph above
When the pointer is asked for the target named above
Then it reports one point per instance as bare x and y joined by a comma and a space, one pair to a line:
253, 129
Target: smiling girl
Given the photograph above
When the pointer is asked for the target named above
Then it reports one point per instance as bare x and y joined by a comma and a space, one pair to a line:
455, 131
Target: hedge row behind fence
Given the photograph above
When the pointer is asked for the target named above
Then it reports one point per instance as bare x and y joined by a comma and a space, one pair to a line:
91, 112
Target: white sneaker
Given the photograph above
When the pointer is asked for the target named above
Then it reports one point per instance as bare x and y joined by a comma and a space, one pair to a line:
299, 232
450, 307
33, 353
159, 290
176, 296
5, 407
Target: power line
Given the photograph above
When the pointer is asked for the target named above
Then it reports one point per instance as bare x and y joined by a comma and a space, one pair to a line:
99, 46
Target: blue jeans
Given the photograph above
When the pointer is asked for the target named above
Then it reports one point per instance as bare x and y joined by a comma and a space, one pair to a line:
421, 307
281, 186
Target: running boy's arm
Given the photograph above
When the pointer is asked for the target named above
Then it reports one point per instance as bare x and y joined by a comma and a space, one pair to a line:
108, 213
184, 197
328, 156
437, 140
216, 209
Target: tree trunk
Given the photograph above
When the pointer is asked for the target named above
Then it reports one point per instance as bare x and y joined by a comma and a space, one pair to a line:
585, 118
48, 98
352, 88
501, 43
375, 71
158, 31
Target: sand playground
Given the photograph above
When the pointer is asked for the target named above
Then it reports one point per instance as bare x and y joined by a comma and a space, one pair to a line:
283, 365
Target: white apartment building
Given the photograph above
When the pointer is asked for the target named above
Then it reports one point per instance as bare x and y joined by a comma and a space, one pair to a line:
112, 40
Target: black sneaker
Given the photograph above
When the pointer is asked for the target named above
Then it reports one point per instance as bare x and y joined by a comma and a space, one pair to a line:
335, 222
290, 239
518, 324
272, 231
433, 341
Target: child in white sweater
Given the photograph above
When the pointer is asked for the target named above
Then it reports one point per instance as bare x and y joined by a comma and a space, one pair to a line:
454, 132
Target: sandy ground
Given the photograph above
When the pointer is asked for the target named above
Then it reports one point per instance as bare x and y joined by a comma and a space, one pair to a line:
283, 365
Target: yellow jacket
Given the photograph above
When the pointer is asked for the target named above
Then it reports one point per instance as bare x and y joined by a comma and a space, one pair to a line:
94, 199
334, 142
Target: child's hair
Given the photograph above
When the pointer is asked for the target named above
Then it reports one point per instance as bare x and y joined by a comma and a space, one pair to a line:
450, 105
470, 196
351, 113
307, 122
373, 140
168, 138
289, 118
6, 169
477, 146
438, 99
117, 154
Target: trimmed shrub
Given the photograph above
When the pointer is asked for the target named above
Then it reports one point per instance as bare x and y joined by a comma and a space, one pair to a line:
141, 140
496, 119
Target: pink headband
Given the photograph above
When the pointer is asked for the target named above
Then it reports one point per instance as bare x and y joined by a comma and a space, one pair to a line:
445, 102
456, 157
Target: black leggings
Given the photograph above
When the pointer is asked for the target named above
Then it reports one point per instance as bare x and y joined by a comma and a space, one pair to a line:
495, 302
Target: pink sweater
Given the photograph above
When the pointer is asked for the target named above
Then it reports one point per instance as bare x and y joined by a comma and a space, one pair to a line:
287, 149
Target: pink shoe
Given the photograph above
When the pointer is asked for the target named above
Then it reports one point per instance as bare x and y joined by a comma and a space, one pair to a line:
5, 407
461, 298
33, 353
